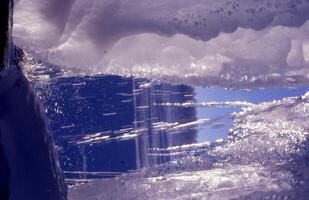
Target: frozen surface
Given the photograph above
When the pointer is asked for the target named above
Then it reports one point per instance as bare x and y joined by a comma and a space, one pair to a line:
95, 118
236, 43
222, 183
265, 157
225, 42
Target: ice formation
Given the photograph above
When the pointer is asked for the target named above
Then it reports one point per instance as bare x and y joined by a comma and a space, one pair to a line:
265, 158
226, 42
239, 43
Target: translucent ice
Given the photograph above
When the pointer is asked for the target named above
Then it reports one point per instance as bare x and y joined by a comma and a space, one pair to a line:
225, 42
265, 157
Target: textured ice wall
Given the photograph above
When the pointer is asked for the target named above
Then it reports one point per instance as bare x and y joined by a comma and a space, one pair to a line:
269, 133
266, 157
222, 41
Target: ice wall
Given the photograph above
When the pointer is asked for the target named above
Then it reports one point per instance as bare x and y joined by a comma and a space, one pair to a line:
28, 159
211, 42
264, 158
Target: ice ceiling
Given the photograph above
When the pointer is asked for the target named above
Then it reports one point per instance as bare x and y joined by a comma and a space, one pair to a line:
223, 42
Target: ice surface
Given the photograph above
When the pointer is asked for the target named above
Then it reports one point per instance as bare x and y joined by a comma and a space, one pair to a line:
239, 43
268, 133
265, 157
225, 42
222, 183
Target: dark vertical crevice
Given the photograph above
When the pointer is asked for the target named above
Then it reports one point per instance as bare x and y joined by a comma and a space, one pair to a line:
4, 28
4, 31
28, 162
5, 174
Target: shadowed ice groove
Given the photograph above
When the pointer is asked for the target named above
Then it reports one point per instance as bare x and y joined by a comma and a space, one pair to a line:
29, 165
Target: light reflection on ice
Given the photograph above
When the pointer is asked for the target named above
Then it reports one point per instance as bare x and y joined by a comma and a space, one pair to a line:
265, 154
265, 158
129, 133
210, 104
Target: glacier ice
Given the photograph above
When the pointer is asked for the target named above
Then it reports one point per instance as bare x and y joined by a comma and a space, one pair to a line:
234, 43
265, 157
226, 42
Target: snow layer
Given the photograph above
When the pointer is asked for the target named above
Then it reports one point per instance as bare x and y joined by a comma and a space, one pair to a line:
225, 42
264, 158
